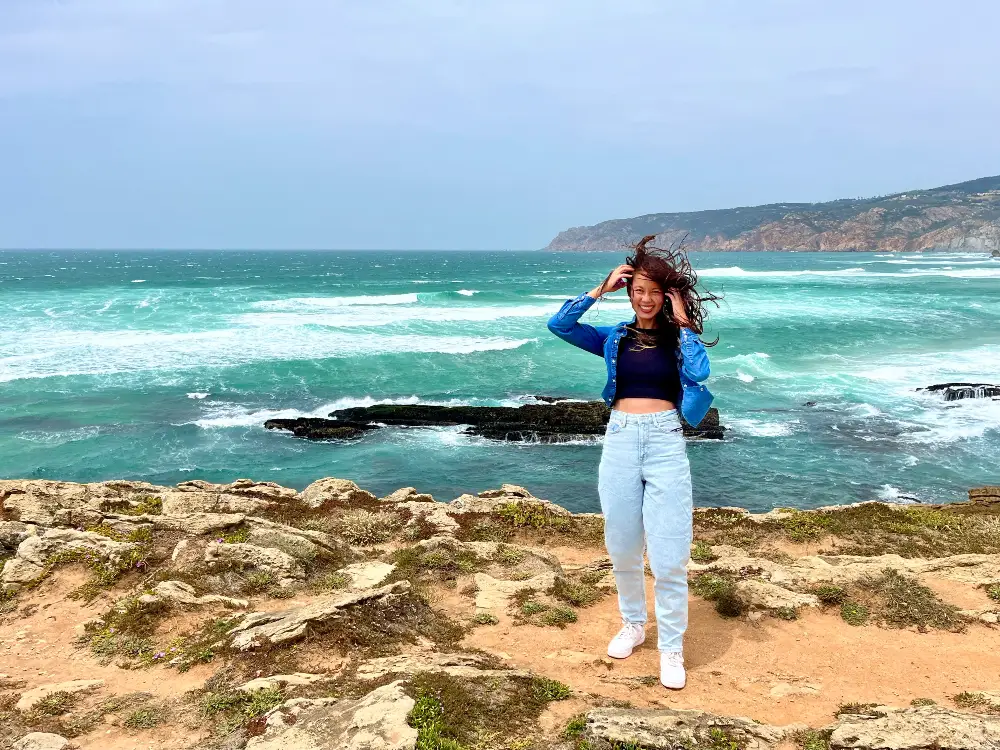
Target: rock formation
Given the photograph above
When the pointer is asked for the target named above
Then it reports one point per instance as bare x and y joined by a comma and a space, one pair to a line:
249, 615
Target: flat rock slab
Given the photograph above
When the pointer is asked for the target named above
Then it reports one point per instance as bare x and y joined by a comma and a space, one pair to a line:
183, 593
367, 575
32, 698
259, 628
378, 721
41, 741
494, 595
917, 729
455, 665
296, 679
668, 729
554, 422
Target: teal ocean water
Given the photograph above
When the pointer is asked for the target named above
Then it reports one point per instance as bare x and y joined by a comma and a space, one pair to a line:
164, 366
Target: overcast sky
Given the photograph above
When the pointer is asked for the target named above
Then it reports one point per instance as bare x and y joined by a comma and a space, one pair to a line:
471, 124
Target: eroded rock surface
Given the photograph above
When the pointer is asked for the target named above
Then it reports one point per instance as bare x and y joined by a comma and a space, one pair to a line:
923, 728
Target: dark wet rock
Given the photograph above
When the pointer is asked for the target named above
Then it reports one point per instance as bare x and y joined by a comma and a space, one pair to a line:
959, 391
555, 422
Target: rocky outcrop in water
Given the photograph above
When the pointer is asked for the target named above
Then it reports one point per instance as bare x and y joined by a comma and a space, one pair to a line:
960, 391
554, 422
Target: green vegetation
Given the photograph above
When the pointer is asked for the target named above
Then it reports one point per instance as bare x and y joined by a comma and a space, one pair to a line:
854, 613
975, 702
701, 552
993, 592
335, 581
531, 607
902, 601
508, 556
558, 616
365, 528
828, 593
917, 702
235, 708
721, 590
531, 515
258, 582
144, 505
239, 535
856, 709
485, 618
577, 593
444, 562
785, 613
551, 690
55, 704
144, 718
812, 739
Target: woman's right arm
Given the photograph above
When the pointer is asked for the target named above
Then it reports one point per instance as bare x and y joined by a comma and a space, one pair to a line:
566, 323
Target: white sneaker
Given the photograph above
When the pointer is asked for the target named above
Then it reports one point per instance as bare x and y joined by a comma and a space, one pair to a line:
631, 635
672, 673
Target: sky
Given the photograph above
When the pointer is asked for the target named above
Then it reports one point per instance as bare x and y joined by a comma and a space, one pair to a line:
470, 124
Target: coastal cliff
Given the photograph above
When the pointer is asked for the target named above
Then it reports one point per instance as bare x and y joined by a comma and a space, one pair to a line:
251, 615
964, 216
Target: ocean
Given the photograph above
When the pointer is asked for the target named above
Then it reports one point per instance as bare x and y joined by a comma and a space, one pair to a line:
164, 366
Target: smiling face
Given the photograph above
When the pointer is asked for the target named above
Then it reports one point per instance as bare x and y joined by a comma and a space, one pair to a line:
646, 296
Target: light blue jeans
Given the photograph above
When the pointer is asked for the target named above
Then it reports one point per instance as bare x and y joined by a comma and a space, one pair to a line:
645, 488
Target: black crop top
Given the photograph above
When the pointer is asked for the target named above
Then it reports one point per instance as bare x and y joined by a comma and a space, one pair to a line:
647, 372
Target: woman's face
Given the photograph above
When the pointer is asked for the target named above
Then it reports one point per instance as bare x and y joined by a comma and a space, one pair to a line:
646, 297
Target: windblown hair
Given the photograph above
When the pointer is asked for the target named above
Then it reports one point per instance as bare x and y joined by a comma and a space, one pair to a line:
671, 269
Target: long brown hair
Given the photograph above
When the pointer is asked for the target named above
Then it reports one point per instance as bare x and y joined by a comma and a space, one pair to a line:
671, 269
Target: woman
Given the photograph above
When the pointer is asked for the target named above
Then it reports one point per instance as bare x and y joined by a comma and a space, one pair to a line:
655, 366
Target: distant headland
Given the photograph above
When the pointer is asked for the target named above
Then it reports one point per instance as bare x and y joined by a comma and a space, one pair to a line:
961, 217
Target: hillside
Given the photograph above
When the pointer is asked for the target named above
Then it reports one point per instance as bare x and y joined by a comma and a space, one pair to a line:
965, 216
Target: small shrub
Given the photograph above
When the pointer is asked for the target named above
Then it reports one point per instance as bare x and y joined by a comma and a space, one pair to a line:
904, 601
559, 616
917, 702
335, 581
812, 739
993, 592
55, 704
801, 526
531, 607
577, 593
485, 618
575, 726
701, 552
258, 582
365, 528
722, 591
508, 556
550, 690
785, 613
828, 593
239, 535
972, 701
530, 515
143, 718
236, 708
854, 613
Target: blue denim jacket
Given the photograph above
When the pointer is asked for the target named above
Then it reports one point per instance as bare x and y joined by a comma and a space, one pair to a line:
692, 359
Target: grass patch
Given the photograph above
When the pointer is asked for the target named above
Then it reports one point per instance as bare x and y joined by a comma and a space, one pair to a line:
976, 702
558, 616
335, 581
508, 556
365, 528
575, 726
258, 582
444, 563
577, 593
551, 690
853, 613
721, 590
531, 607
993, 592
239, 535
55, 704
813, 739
235, 708
144, 718
485, 618
902, 601
701, 552
144, 505
452, 713
785, 613
531, 515
856, 709
800, 526
917, 702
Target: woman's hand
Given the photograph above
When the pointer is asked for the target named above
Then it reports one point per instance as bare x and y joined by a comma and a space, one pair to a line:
677, 308
618, 279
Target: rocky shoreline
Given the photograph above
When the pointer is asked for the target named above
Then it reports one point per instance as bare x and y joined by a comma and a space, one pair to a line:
251, 615
554, 421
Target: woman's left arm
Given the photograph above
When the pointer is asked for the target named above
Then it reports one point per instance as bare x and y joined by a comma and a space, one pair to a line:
694, 358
